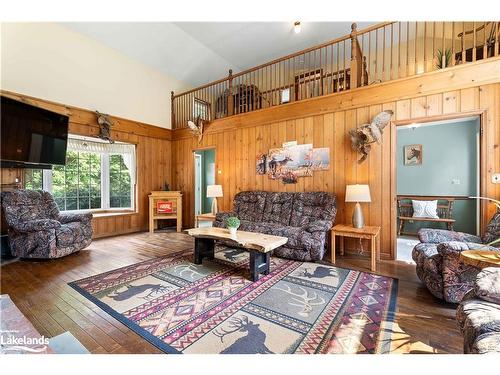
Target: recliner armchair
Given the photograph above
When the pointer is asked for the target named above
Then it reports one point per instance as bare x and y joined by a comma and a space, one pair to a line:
38, 230
437, 257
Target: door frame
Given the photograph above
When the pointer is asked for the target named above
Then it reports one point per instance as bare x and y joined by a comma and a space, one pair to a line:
481, 114
200, 180
192, 198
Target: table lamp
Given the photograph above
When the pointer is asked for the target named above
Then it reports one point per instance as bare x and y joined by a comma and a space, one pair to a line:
214, 191
357, 193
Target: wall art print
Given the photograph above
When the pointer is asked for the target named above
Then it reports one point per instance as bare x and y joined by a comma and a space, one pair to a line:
320, 159
292, 161
413, 154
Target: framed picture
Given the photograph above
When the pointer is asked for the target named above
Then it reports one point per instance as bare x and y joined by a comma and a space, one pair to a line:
412, 155
285, 95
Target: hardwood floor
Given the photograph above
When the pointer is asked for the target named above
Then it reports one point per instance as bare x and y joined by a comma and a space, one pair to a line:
39, 288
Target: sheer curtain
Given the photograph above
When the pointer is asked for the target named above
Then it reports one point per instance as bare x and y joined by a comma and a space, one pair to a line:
126, 150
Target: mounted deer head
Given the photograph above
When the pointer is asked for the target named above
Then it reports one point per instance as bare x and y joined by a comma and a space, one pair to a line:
197, 128
105, 125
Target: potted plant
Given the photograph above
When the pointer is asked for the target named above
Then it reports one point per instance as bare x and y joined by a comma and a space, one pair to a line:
233, 224
443, 59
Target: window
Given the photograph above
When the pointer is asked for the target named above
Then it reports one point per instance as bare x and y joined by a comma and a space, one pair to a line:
77, 185
97, 175
119, 182
33, 179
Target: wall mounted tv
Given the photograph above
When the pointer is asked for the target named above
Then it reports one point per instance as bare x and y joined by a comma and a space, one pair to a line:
32, 137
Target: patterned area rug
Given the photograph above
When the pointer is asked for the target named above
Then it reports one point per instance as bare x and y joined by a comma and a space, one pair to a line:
299, 307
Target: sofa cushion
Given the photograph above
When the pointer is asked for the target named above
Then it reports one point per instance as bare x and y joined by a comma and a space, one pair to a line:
249, 205
297, 237
487, 285
476, 318
311, 206
278, 208
487, 343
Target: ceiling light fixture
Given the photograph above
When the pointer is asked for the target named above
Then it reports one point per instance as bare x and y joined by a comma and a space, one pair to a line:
297, 27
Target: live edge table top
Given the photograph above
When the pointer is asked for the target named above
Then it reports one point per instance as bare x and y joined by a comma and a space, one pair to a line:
262, 243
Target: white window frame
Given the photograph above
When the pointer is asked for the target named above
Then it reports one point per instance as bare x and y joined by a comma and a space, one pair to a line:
105, 190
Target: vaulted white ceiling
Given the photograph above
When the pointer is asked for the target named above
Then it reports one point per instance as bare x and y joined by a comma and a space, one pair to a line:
199, 52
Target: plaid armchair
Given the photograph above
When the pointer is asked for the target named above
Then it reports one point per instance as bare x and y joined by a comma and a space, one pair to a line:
438, 259
38, 230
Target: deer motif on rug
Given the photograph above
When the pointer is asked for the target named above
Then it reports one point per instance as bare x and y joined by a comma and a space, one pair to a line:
303, 299
189, 269
319, 272
252, 343
233, 255
134, 290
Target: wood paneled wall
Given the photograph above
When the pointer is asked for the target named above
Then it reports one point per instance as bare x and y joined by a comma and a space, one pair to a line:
153, 160
237, 146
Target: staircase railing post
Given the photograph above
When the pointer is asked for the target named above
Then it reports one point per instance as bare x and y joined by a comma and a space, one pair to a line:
355, 59
230, 99
172, 111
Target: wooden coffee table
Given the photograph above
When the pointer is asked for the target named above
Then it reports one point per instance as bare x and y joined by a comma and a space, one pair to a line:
480, 258
257, 244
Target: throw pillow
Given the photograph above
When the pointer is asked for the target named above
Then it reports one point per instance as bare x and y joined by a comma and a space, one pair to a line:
425, 209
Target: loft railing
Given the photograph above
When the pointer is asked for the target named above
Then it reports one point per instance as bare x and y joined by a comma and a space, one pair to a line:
380, 53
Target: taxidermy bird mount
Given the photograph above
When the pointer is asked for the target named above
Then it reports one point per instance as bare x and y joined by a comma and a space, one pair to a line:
197, 128
363, 137
105, 125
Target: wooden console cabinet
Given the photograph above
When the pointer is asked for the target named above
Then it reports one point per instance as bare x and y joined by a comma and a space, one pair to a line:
175, 198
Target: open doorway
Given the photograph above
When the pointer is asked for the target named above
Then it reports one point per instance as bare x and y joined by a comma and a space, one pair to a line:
437, 170
204, 175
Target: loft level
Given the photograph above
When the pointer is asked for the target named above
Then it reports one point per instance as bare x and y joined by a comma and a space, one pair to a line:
380, 53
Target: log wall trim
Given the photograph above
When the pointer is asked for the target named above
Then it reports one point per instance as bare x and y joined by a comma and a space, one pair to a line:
153, 160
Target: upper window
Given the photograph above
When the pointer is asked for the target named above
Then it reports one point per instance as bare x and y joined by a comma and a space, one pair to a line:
97, 175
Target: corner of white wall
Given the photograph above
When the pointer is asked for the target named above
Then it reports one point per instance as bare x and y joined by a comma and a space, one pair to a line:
52, 62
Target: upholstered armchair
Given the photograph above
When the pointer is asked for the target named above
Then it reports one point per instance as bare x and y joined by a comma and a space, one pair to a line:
38, 230
478, 315
437, 259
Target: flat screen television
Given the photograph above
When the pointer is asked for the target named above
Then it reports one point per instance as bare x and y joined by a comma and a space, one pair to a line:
32, 137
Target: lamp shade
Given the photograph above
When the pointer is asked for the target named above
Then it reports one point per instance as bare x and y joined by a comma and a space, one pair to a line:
357, 193
214, 191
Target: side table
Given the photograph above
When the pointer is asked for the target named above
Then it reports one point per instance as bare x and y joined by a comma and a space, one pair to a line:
371, 233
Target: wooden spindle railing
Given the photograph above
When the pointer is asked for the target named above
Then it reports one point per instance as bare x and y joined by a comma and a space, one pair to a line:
379, 53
